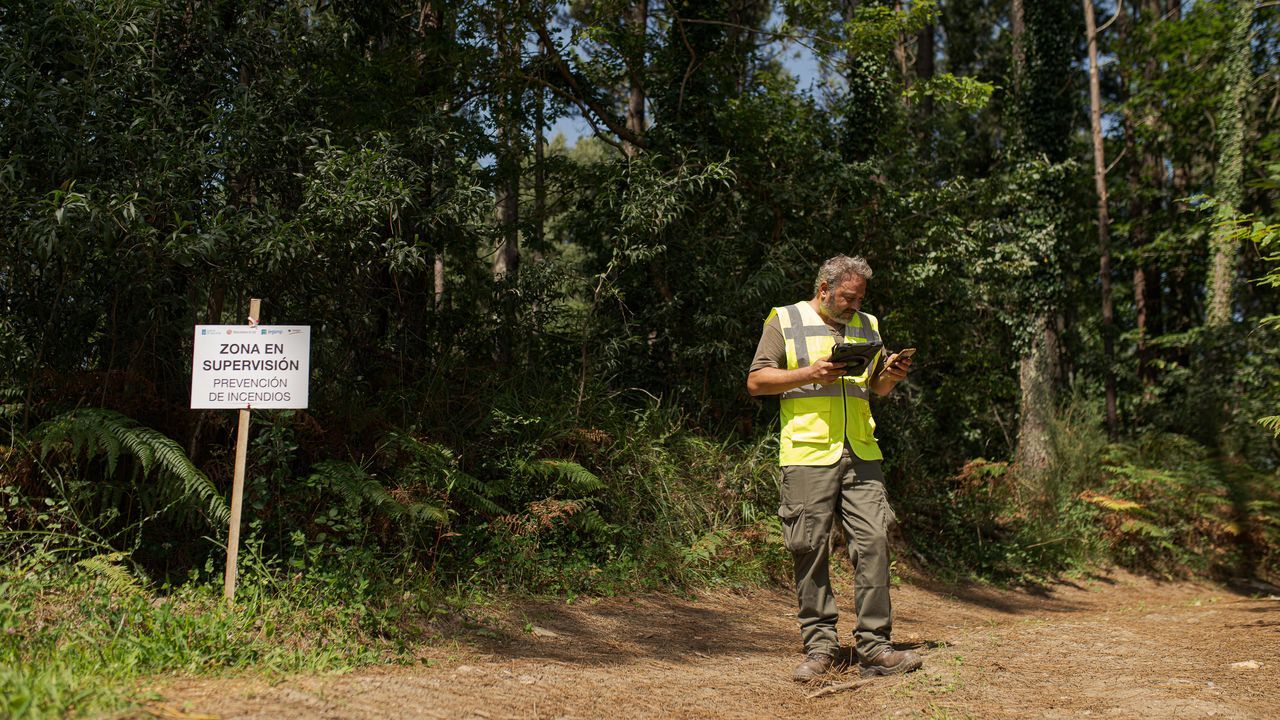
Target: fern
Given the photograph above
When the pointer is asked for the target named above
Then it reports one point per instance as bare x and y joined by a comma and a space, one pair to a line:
568, 476
98, 432
110, 569
572, 479
1109, 503
591, 522
359, 487
1141, 527
434, 465
1271, 422
474, 492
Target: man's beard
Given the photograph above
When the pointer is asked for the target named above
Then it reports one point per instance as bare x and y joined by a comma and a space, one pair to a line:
829, 307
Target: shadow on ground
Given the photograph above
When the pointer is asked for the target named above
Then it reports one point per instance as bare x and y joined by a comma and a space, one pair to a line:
616, 631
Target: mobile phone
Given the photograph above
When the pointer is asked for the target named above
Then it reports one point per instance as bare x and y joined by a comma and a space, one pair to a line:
903, 354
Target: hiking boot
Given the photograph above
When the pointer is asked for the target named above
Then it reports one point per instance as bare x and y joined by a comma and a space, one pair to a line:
814, 666
890, 662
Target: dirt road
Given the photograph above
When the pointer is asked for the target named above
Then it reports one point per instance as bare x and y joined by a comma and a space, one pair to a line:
1115, 646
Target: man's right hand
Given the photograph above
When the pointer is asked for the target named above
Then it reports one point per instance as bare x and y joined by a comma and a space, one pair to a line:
775, 381
825, 372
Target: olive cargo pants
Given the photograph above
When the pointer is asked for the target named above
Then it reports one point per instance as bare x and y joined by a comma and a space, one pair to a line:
813, 498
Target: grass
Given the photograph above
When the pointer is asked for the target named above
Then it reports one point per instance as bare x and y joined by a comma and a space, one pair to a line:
940, 678
75, 641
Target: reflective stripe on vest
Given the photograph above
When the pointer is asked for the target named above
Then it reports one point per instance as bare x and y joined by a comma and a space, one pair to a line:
818, 419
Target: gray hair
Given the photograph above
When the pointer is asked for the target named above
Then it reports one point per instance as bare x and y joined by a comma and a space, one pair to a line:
835, 270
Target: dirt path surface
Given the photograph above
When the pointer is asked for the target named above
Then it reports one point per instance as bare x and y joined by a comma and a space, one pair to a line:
1110, 647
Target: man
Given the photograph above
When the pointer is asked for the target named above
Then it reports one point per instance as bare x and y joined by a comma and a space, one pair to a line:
831, 463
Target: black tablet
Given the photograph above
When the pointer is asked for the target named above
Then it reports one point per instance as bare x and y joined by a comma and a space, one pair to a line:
855, 356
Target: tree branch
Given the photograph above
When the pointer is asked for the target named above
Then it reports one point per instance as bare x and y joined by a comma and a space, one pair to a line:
582, 98
786, 37
693, 59
1115, 162
838, 687
1107, 24
586, 111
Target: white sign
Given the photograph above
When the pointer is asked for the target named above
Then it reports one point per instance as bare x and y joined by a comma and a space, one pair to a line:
238, 367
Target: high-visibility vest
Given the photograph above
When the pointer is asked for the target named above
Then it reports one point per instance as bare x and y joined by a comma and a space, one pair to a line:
818, 419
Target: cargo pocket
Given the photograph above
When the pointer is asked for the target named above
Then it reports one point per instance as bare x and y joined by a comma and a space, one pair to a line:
888, 518
796, 533
861, 426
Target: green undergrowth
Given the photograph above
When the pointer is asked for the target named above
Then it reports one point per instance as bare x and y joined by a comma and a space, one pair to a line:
83, 639
670, 510
347, 562
1157, 503
564, 501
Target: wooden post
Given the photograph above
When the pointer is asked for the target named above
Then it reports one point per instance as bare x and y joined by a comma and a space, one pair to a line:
237, 486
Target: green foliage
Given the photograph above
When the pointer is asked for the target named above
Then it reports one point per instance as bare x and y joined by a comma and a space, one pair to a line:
1159, 504
868, 28
115, 578
575, 479
664, 507
95, 485
1027, 256
95, 433
1267, 239
79, 640
411, 486
1193, 513
579, 424
1041, 112
358, 487
1271, 422
964, 92
362, 192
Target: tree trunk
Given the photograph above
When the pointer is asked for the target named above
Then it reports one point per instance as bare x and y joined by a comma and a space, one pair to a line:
1040, 131
868, 100
1018, 27
431, 29
539, 165
1153, 172
638, 20
437, 273
1229, 185
1104, 220
1037, 374
925, 51
506, 261
1146, 298
900, 53
1036, 405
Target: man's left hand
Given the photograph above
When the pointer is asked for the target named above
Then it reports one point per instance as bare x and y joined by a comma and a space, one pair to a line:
896, 370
